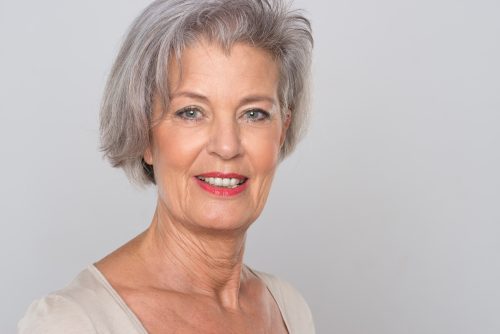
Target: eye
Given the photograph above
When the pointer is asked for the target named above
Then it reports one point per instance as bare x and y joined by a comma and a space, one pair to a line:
255, 115
190, 113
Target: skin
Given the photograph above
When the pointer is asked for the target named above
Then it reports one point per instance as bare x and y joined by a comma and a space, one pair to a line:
185, 273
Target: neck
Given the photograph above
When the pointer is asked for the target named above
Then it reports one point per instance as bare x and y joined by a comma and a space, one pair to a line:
190, 260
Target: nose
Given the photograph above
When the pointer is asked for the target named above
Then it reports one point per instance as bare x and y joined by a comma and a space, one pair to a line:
225, 139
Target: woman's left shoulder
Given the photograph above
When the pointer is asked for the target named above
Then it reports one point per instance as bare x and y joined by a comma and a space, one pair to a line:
292, 304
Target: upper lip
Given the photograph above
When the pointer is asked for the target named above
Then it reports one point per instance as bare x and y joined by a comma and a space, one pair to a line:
223, 175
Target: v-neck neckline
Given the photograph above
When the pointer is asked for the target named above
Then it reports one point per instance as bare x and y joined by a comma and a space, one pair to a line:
138, 324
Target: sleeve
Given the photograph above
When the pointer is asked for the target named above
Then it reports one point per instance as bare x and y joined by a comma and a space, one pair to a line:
55, 314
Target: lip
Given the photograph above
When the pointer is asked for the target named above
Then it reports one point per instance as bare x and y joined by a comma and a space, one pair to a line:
223, 175
220, 191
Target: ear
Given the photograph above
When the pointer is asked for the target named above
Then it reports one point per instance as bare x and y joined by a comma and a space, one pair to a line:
148, 156
286, 125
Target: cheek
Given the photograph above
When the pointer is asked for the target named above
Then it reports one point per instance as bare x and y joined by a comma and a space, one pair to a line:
263, 152
175, 150
263, 148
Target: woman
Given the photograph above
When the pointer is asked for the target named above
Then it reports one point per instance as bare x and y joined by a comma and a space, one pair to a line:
204, 100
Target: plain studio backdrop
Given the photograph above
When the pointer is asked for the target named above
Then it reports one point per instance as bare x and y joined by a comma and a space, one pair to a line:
387, 217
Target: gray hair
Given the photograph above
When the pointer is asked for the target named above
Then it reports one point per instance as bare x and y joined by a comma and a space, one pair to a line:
165, 28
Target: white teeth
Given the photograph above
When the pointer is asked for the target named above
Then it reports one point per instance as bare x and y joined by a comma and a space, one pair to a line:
222, 182
218, 181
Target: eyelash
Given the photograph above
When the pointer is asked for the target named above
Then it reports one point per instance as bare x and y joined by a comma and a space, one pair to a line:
264, 115
184, 111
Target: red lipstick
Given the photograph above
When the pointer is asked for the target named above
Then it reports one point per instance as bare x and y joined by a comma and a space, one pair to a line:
238, 183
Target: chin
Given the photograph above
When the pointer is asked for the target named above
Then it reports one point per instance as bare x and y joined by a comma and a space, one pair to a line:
223, 221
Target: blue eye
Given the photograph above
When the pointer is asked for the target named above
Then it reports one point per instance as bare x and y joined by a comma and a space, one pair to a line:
255, 115
189, 113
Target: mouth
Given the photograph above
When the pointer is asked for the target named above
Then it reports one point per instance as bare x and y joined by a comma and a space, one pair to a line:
222, 184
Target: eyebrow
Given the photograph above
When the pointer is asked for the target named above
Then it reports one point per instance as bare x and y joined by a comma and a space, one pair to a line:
191, 95
245, 100
258, 98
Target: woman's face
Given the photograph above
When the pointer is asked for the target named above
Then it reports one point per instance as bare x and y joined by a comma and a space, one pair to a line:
216, 147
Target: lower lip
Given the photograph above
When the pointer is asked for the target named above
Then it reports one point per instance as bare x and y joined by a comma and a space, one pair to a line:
222, 192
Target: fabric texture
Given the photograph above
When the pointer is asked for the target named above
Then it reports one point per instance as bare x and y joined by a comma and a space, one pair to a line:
89, 304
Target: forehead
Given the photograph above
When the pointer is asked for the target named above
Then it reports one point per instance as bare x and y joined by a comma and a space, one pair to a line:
205, 66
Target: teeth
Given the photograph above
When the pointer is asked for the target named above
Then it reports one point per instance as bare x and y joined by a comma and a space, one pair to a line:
222, 182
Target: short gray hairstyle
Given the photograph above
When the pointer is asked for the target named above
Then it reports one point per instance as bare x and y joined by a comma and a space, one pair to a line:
165, 28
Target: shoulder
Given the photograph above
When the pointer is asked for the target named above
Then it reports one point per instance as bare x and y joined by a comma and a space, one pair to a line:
86, 305
292, 304
55, 314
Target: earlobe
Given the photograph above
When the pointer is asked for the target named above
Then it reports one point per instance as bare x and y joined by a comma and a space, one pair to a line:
148, 157
286, 125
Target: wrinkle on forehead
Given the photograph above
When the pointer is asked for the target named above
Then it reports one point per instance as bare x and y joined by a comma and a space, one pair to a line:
207, 47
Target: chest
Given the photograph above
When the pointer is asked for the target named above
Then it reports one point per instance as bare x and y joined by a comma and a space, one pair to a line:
182, 314
219, 325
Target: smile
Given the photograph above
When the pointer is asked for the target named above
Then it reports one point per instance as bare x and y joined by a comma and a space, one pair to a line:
222, 184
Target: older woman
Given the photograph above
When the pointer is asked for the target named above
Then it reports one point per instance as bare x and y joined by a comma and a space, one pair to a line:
204, 100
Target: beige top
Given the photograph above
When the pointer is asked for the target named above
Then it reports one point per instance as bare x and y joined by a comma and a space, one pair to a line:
89, 304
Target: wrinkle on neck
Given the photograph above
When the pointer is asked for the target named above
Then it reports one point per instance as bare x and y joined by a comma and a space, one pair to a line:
191, 261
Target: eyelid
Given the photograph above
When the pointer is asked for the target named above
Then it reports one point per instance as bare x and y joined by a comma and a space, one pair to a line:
257, 109
266, 114
180, 112
190, 107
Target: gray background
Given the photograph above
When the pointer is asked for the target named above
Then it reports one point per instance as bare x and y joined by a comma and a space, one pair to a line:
386, 218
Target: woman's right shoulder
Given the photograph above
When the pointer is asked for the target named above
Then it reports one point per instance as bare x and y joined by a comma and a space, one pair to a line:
88, 304
72, 309
55, 314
